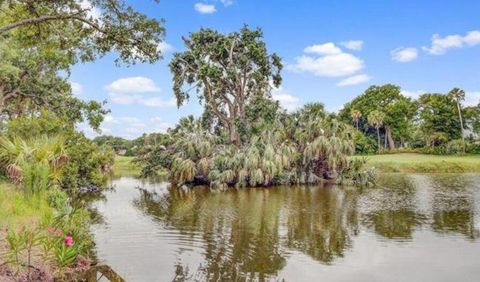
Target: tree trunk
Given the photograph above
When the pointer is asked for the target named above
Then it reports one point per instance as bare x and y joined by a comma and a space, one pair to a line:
461, 125
378, 139
388, 132
357, 123
234, 136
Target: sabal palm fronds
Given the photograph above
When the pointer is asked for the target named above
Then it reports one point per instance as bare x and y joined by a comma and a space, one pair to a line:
20, 157
295, 148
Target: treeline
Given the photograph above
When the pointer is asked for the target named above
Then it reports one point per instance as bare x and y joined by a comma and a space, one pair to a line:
434, 123
129, 148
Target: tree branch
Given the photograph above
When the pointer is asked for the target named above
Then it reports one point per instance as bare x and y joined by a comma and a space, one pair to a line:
41, 19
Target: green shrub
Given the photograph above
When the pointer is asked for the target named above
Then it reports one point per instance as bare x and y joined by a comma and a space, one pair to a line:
74, 160
364, 145
456, 146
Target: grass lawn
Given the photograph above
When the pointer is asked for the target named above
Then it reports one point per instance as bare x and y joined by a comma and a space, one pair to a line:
124, 166
424, 163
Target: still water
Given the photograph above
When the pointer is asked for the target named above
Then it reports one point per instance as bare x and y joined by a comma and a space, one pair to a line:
410, 228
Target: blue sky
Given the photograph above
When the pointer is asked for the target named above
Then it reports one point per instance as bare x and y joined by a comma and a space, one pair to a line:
332, 51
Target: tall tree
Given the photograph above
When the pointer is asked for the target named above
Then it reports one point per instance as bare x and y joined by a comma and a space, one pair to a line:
227, 71
356, 115
375, 119
438, 118
459, 95
388, 99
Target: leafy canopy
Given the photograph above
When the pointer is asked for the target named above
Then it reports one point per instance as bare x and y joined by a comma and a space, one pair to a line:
227, 71
41, 40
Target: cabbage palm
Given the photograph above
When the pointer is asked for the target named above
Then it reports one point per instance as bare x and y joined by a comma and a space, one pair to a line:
356, 115
42, 155
375, 119
459, 95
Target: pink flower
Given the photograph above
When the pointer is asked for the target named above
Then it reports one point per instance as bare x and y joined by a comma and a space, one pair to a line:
58, 232
68, 241
54, 230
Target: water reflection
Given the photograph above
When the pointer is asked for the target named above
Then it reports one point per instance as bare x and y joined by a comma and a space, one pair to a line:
257, 234
391, 209
453, 205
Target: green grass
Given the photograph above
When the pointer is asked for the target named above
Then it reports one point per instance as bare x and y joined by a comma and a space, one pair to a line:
17, 210
124, 166
424, 163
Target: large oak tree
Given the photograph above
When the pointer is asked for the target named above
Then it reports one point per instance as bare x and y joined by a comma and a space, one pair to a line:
227, 71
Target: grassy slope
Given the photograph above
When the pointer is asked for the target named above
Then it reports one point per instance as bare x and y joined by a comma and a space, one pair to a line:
424, 163
124, 166
16, 210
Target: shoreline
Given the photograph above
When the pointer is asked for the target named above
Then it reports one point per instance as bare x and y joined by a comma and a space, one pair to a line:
422, 163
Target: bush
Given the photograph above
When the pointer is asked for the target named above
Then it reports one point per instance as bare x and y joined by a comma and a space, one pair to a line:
474, 147
364, 145
89, 163
83, 162
456, 146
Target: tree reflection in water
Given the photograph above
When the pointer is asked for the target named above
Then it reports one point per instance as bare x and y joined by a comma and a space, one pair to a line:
241, 229
390, 209
454, 205
249, 234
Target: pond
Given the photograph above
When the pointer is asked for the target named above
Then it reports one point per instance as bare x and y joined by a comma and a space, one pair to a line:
410, 228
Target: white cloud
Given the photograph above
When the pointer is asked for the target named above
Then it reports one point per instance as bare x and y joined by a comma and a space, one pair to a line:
126, 99
287, 101
353, 80
404, 55
127, 91
440, 45
203, 8
328, 48
353, 44
77, 88
138, 84
337, 65
330, 62
123, 99
158, 102
227, 3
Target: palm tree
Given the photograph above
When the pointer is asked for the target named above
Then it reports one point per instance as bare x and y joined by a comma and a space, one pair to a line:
375, 119
356, 115
459, 95
33, 161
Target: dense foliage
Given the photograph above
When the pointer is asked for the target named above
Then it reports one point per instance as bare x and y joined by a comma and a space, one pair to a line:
433, 123
293, 148
47, 160
47, 143
227, 71
41, 40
